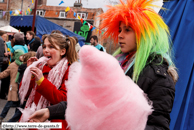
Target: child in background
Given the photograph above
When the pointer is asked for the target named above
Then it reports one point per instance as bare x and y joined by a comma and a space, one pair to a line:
24, 58
13, 88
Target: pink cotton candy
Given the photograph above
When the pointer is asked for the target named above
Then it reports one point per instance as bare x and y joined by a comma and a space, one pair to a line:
101, 97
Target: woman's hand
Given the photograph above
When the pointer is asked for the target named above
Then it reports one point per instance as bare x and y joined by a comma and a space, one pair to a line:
28, 47
36, 72
40, 116
31, 60
7, 53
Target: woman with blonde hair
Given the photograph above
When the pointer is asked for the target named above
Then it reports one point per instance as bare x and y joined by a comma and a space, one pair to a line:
48, 75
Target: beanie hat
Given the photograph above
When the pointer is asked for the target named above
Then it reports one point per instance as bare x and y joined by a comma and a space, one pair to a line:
17, 55
19, 36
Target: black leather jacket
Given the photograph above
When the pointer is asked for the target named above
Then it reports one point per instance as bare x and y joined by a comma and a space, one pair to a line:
159, 86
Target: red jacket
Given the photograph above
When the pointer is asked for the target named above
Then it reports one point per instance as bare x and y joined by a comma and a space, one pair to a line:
50, 92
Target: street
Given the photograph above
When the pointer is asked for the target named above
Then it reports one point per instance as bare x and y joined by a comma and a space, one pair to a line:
9, 114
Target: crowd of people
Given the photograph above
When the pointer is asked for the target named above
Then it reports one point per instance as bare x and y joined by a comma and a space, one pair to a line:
144, 55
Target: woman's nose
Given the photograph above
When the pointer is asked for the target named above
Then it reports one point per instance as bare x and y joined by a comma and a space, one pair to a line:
46, 49
120, 36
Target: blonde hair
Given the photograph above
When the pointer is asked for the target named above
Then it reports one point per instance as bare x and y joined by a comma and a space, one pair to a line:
64, 42
27, 56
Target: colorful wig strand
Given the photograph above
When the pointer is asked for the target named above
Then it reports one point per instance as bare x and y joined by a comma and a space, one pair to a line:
152, 34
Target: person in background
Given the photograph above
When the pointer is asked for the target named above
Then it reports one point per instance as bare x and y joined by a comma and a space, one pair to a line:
77, 46
3, 66
9, 48
94, 42
12, 100
24, 58
39, 52
19, 43
33, 43
3, 37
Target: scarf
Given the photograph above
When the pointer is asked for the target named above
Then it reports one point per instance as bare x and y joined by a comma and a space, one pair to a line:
31, 41
55, 77
126, 60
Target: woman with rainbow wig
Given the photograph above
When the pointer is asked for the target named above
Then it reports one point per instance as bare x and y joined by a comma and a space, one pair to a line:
144, 54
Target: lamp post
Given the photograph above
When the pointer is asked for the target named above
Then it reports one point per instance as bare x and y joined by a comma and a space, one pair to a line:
34, 15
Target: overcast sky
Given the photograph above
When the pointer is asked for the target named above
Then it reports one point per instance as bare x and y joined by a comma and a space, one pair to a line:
88, 3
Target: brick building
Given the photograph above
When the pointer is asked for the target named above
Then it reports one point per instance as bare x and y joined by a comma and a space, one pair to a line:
67, 20
12, 5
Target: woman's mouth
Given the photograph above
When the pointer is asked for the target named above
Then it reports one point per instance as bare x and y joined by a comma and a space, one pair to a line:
49, 57
121, 43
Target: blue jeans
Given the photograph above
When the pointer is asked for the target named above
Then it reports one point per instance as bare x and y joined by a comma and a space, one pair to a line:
7, 106
17, 114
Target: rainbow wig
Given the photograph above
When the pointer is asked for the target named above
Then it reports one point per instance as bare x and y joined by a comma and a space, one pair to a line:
152, 34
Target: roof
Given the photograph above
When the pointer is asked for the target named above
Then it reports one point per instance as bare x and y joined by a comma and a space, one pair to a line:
43, 26
54, 11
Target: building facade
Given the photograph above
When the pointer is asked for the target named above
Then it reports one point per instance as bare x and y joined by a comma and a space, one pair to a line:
69, 20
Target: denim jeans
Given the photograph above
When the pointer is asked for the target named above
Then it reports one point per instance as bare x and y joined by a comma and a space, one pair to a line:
7, 106
17, 114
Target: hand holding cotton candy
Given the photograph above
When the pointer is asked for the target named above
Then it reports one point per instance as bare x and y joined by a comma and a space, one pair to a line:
101, 97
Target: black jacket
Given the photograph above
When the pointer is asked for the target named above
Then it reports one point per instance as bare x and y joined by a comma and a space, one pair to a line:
57, 111
160, 89
34, 44
2, 51
21, 70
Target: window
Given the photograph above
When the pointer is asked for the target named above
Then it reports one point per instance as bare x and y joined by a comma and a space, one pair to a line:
1, 1
40, 2
1, 14
40, 13
82, 15
62, 14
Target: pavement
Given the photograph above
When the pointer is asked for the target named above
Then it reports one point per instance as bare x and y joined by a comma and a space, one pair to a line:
9, 114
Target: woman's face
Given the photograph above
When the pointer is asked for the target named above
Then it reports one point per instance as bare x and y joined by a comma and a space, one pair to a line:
28, 36
4, 37
126, 38
53, 52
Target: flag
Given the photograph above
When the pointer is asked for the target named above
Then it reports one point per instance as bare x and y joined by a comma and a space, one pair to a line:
93, 28
61, 2
29, 10
81, 20
74, 14
67, 9
89, 25
79, 17
85, 23
10, 12
16, 13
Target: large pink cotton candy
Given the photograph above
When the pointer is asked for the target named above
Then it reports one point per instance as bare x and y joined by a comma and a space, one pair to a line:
101, 97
